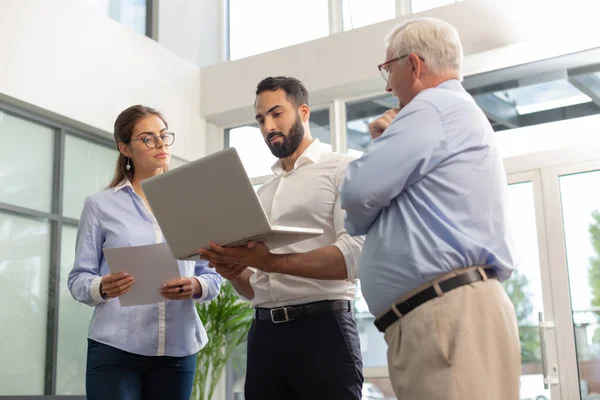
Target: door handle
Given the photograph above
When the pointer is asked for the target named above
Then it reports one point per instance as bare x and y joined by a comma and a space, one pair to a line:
543, 325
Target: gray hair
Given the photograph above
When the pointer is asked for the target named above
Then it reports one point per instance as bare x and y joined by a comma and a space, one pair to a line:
433, 39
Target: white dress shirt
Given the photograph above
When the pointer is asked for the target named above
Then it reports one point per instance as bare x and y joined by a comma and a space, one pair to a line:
308, 197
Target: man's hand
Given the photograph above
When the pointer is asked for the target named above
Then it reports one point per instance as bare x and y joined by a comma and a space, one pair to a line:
379, 125
228, 271
255, 254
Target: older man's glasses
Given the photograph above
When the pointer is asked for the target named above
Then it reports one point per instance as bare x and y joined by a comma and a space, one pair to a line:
151, 141
383, 68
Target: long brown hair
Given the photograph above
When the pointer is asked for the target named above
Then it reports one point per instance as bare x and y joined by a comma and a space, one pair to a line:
124, 125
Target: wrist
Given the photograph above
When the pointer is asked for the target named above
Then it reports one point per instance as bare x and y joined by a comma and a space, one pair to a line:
103, 293
274, 263
196, 289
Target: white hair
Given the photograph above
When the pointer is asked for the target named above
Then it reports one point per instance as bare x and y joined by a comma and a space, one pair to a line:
434, 40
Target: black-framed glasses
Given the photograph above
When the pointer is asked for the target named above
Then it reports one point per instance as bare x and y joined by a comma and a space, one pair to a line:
168, 138
385, 74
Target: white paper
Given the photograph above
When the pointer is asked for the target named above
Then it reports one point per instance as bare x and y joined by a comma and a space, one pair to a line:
150, 265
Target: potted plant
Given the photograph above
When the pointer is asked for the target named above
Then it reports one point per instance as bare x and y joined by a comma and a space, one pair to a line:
227, 320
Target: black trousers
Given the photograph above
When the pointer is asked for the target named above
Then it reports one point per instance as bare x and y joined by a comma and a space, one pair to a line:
311, 358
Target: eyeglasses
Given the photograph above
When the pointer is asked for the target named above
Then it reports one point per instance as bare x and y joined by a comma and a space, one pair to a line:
151, 140
385, 74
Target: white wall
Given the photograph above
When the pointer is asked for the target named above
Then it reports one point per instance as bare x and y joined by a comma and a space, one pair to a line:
66, 59
495, 34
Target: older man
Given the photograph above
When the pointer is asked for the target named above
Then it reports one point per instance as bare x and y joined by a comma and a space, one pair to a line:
430, 193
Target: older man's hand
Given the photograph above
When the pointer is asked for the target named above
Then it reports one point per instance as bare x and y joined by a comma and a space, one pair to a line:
379, 125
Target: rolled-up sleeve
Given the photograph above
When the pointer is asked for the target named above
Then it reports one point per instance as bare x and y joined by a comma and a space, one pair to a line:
402, 155
209, 280
84, 279
349, 246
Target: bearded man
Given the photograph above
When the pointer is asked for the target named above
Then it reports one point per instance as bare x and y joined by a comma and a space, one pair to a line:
303, 342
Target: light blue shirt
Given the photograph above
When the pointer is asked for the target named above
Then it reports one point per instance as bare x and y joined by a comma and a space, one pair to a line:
118, 217
430, 194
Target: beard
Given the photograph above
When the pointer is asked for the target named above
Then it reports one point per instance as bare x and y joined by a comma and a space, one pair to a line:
289, 143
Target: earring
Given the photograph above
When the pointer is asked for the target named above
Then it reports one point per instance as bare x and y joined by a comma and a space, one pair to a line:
128, 167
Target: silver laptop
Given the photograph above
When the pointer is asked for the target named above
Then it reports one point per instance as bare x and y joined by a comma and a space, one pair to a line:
212, 199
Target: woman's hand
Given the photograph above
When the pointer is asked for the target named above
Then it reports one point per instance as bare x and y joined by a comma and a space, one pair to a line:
181, 289
114, 285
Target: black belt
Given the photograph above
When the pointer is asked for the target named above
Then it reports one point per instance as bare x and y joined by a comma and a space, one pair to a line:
290, 313
387, 319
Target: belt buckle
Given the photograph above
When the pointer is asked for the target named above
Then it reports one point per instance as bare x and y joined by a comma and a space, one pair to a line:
285, 313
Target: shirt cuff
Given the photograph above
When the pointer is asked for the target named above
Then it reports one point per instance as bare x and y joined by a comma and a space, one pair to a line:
95, 290
204, 285
348, 258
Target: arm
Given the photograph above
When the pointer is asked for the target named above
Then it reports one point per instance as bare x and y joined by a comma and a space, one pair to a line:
210, 281
241, 283
84, 279
406, 152
336, 262
325, 263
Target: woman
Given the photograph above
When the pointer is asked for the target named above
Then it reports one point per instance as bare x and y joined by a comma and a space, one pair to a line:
148, 351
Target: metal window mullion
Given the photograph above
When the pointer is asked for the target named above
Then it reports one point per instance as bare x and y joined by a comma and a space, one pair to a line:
99, 137
150, 10
336, 16
27, 212
403, 7
224, 31
54, 273
337, 120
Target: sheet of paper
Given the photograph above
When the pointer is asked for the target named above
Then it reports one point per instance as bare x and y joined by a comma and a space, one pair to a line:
150, 265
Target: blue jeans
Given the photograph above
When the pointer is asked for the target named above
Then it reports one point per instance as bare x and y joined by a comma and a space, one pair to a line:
118, 375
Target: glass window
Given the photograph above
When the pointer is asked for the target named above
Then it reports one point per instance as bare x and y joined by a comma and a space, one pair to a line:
176, 162
372, 344
359, 115
259, 26
357, 13
422, 5
26, 173
533, 114
24, 281
377, 389
131, 13
255, 153
579, 195
536, 100
543, 96
319, 127
89, 168
73, 321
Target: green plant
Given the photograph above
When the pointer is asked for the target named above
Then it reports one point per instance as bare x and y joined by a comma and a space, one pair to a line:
227, 320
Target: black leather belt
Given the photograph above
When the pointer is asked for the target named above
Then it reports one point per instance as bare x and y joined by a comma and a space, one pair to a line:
290, 313
387, 319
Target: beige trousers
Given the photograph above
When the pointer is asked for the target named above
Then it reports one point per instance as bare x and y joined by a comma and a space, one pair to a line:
463, 345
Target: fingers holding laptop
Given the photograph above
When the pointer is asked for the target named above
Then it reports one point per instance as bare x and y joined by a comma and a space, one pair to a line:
228, 271
254, 254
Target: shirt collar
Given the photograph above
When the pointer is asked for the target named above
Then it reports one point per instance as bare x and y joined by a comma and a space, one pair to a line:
122, 185
311, 154
452, 84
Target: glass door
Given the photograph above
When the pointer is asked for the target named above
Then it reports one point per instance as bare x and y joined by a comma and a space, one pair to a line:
578, 187
529, 288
